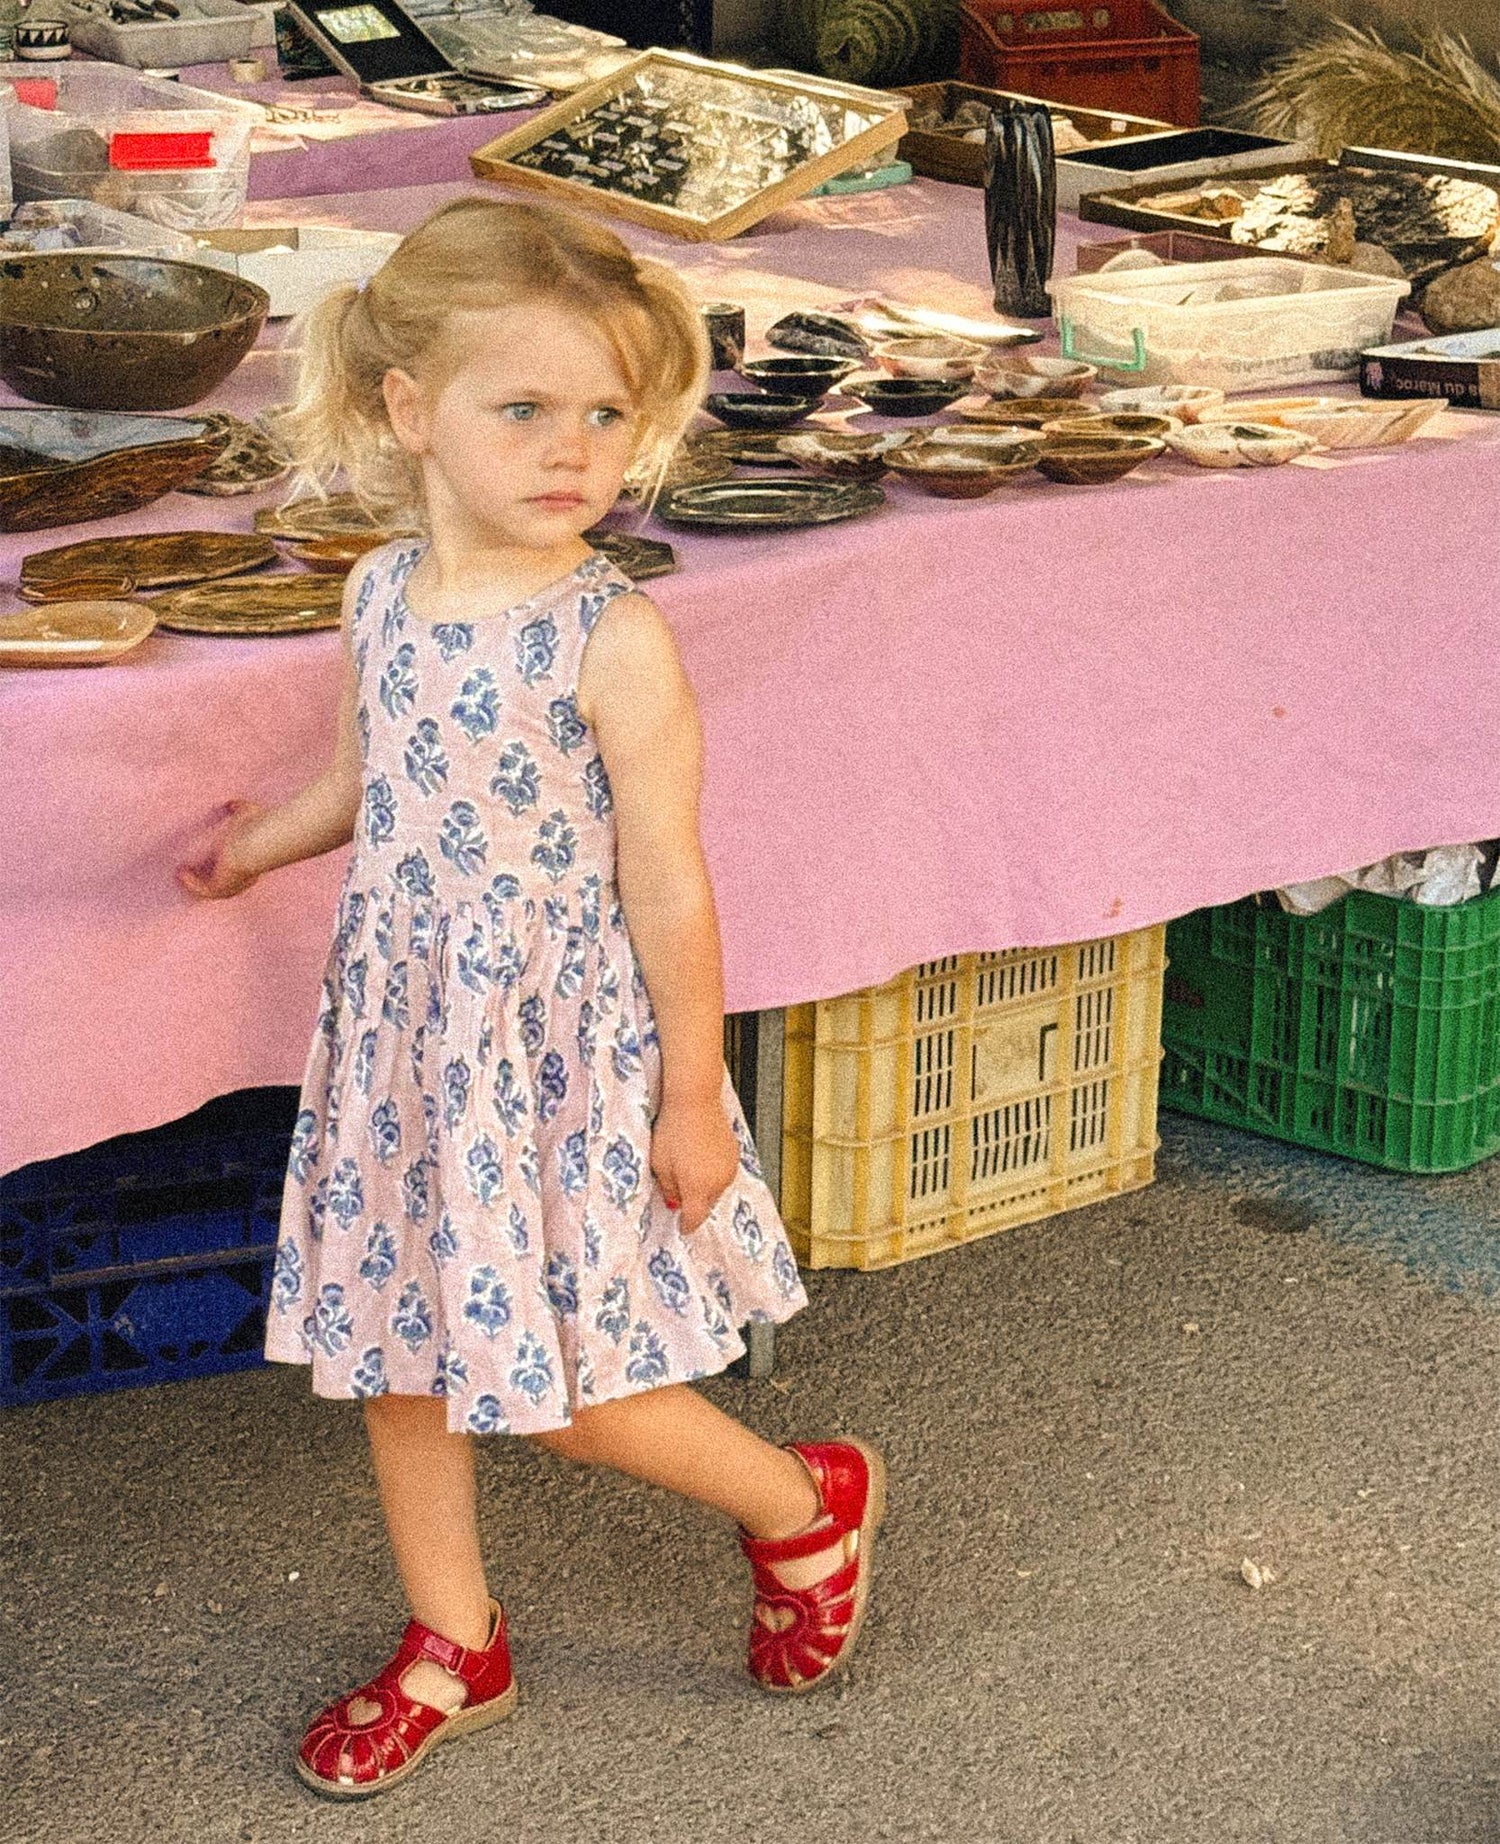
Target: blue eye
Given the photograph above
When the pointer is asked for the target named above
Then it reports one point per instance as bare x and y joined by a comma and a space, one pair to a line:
605, 416
518, 412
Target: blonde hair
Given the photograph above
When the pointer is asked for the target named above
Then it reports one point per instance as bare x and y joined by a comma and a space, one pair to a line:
477, 254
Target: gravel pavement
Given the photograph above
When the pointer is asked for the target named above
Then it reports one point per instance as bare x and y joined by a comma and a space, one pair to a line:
1091, 1424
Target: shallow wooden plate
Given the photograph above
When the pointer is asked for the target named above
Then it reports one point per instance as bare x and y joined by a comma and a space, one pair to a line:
157, 560
338, 516
74, 633
332, 554
298, 604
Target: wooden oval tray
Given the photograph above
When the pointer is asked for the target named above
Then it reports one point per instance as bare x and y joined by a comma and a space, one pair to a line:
74, 633
298, 604
156, 560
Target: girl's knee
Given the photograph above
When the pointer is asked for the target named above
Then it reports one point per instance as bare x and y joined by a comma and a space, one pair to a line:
576, 1442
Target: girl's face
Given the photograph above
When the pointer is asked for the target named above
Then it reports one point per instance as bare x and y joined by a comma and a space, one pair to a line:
528, 437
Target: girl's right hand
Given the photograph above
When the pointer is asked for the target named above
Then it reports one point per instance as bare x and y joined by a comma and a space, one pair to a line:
228, 869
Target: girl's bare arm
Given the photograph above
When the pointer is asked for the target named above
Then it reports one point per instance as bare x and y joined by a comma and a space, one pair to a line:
318, 819
633, 691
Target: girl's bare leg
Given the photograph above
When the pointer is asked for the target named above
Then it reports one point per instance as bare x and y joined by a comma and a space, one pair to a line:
676, 1438
426, 1480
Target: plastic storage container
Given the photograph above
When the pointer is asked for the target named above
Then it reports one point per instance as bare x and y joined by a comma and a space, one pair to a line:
208, 32
76, 224
1153, 72
162, 151
146, 1258
1371, 1029
970, 1095
1269, 320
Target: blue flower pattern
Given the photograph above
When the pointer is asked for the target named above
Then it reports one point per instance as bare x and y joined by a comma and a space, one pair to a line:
468, 1178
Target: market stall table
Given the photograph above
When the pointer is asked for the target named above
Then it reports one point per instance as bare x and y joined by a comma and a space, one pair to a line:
1044, 716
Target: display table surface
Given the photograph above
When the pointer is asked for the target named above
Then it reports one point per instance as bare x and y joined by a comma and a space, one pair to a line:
374, 146
1043, 716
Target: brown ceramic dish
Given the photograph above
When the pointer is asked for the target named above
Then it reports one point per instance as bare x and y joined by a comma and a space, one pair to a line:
114, 332
1088, 460
155, 561
61, 467
88, 633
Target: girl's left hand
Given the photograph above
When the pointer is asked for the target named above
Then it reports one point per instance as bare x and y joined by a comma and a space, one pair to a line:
695, 1156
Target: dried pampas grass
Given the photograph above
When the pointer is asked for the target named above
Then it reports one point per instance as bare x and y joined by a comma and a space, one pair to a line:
1353, 89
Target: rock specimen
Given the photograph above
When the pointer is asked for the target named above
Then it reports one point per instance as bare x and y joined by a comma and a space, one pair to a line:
1463, 300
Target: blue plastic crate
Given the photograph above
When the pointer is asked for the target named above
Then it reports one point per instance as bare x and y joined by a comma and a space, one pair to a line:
146, 1258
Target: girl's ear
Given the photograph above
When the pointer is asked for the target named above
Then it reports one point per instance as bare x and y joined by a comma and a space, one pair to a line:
407, 409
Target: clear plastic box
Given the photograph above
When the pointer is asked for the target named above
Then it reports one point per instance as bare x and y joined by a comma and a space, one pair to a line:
1268, 320
208, 32
177, 156
40, 225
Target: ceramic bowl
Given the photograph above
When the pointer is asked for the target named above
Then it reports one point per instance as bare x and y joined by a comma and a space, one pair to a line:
1363, 424
837, 452
1013, 449
907, 396
1086, 460
122, 332
806, 375
1018, 412
1105, 422
924, 357
951, 472
759, 409
1262, 409
1013, 374
1187, 402
1239, 444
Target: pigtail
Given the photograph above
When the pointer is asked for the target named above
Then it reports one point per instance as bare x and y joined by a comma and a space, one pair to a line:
336, 424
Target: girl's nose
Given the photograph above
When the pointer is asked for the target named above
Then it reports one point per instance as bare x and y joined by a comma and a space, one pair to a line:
570, 449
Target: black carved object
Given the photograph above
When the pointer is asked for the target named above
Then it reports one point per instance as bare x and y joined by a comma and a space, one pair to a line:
1020, 205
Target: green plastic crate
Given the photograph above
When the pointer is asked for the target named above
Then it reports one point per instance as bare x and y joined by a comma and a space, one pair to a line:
1371, 1030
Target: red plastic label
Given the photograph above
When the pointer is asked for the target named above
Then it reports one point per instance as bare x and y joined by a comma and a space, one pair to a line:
36, 92
160, 153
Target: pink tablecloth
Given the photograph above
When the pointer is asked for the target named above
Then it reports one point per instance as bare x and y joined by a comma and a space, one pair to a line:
1055, 713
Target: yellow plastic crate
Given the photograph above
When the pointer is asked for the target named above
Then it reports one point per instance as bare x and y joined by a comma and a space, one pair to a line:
969, 1095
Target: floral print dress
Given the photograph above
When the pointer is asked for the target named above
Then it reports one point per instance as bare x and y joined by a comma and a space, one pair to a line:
470, 1211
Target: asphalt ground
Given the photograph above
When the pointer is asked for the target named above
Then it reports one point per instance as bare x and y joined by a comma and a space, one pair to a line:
1091, 1423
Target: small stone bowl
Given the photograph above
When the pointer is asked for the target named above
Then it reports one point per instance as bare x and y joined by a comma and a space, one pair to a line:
1239, 444
1088, 460
1103, 422
807, 375
907, 396
759, 409
924, 357
1009, 374
950, 473
1018, 412
839, 453
1016, 449
1187, 402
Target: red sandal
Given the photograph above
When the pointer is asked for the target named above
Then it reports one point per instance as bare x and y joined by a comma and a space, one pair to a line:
377, 1735
800, 1636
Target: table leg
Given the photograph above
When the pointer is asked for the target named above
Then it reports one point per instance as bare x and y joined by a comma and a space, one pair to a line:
755, 1045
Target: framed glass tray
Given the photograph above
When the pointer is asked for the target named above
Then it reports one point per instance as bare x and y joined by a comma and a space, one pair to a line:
694, 148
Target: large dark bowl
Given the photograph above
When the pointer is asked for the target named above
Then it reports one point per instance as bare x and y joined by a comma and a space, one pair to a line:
122, 332
798, 377
759, 409
907, 396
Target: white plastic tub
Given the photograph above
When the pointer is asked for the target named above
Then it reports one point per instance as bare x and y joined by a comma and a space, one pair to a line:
1266, 320
208, 32
91, 142
295, 264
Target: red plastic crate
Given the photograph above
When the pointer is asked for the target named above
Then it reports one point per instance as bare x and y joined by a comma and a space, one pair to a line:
1051, 22
1155, 74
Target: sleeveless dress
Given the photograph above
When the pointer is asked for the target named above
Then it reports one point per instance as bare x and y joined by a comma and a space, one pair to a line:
470, 1210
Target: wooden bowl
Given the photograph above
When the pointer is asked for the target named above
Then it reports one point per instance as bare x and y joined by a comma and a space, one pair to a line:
60, 467
117, 332
1088, 460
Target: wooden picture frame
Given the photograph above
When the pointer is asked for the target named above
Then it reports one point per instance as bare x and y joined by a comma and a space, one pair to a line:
668, 101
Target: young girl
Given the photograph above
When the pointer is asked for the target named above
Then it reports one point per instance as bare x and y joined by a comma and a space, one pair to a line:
522, 1197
